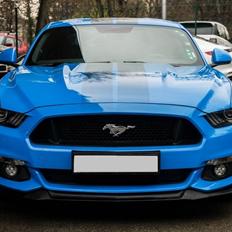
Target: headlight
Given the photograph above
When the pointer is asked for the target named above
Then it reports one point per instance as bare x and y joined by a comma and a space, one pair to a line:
220, 119
10, 118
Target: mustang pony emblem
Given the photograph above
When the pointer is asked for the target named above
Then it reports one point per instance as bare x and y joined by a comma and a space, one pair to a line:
117, 130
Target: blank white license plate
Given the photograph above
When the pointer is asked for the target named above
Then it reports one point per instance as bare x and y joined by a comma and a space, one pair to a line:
116, 163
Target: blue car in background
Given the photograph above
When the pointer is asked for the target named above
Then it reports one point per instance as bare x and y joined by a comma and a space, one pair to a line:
115, 109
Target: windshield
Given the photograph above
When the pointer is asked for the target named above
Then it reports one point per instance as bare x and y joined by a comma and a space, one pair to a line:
115, 43
202, 28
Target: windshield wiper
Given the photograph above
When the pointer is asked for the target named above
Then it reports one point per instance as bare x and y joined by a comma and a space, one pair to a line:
50, 64
133, 61
126, 61
104, 61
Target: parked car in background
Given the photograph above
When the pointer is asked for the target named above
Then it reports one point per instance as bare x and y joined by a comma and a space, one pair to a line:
208, 47
217, 40
9, 40
226, 69
207, 28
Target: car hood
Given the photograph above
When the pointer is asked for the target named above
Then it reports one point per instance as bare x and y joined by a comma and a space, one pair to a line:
202, 88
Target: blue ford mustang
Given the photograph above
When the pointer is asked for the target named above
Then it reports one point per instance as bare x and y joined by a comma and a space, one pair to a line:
115, 109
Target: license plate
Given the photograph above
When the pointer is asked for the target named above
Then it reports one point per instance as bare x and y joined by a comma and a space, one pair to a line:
108, 163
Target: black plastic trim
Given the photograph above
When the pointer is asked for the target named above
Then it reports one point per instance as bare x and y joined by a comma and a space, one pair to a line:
188, 194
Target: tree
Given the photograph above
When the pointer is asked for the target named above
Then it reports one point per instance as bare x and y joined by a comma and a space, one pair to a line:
42, 14
7, 15
100, 8
34, 14
109, 8
30, 21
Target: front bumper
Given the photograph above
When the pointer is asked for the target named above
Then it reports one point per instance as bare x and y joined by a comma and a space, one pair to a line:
44, 195
188, 194
215, 144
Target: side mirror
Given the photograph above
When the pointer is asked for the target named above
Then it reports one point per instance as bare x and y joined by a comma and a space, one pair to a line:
220, 56
8, 56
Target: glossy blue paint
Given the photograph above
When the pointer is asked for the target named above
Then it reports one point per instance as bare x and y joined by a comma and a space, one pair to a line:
8, 56
196, 87
220, 56
149, 89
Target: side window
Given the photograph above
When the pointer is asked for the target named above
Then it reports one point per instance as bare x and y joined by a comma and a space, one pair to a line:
221, 31
227, 37
58, 45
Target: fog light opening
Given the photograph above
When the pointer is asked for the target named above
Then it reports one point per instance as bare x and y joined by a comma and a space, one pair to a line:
11, 170
220, 170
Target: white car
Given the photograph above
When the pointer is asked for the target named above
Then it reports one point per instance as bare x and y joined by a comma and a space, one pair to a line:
216, 39
225, 69
207, 28
208, 47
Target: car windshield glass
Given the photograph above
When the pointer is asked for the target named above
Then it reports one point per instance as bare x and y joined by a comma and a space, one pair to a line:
115, 43
202, 28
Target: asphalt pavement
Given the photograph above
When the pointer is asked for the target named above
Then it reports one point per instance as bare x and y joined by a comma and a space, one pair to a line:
205, 215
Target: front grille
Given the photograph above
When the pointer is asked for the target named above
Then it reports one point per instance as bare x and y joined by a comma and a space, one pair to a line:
141, 131
69, 178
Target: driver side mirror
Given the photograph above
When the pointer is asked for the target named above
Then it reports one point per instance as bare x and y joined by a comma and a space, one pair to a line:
8, 56
220, 56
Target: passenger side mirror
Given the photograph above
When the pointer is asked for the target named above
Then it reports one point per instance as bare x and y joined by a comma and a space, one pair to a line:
8, 56
220, 56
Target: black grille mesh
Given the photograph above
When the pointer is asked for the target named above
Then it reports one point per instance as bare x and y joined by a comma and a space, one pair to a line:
88, 131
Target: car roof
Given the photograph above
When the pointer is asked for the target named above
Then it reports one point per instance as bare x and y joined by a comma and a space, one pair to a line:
113, 21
